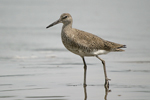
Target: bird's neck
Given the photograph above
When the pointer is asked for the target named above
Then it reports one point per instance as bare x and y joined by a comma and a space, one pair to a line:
67, 26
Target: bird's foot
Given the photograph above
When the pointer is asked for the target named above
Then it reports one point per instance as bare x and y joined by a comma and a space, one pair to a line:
107, 83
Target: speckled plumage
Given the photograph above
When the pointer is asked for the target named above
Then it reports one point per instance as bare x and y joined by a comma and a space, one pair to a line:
80, 42
84, 43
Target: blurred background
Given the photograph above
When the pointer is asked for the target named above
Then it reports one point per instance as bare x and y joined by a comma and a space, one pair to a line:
34, 64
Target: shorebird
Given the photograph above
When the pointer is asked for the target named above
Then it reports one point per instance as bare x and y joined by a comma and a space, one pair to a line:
85, 44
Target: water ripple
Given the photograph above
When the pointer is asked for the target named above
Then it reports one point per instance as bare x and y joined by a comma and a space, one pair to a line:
7, 96
48, 97
17, 75
130, 71
22, 89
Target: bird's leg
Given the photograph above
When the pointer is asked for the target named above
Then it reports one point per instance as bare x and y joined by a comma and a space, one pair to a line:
106, 79
85, 68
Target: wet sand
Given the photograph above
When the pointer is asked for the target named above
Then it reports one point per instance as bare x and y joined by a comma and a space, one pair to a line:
51, 75
54, 78
34, 64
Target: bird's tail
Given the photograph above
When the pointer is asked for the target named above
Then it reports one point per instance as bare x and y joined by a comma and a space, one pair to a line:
118, 48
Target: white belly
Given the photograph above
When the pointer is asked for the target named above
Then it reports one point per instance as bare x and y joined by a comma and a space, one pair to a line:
100, 52
92, 53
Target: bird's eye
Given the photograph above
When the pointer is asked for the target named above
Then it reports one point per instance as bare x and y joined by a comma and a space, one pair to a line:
65, 17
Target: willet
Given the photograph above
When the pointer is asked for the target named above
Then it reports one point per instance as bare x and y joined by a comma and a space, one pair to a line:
84, 43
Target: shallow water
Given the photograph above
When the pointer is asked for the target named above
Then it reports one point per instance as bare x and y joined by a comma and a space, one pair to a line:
36, 66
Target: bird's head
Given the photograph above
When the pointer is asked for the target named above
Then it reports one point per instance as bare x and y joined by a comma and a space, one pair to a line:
65, 18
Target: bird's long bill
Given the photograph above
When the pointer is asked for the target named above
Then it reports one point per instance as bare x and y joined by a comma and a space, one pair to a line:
54, 23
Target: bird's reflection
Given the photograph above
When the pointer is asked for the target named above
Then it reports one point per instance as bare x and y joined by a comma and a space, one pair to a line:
105, 97
106, 93
85, 93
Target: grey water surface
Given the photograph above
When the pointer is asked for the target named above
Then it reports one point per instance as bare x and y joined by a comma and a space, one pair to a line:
34, 64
